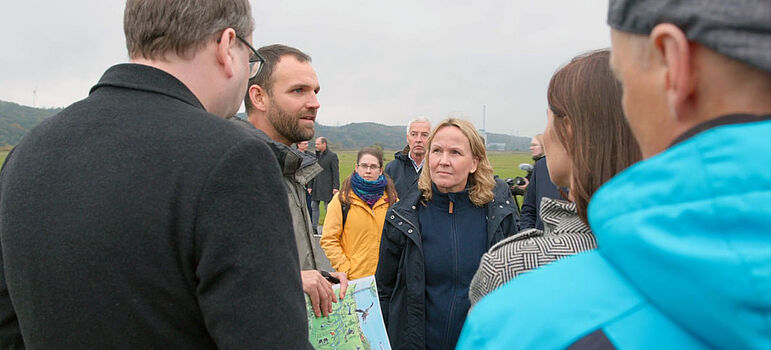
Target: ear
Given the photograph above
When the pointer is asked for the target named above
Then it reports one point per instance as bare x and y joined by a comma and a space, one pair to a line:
474, 165
224, 51
568, 122
259, 97
674, 52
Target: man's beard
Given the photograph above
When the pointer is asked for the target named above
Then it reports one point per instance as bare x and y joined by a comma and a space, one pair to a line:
288, 125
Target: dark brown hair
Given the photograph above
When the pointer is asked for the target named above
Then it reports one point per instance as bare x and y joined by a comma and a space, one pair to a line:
346, 189
154, 28
585, 99
272, 54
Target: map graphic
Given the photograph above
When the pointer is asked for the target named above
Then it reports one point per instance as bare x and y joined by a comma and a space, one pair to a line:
355, 323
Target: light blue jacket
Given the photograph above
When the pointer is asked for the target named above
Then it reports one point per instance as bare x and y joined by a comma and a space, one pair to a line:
684, 258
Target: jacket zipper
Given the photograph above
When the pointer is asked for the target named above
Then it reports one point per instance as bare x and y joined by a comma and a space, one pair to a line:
455, 282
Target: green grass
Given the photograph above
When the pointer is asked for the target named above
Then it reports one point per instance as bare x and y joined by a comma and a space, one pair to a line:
3, 154
505, 164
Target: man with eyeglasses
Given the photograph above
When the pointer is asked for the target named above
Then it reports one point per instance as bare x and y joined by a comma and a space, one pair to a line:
139, 217
281, 106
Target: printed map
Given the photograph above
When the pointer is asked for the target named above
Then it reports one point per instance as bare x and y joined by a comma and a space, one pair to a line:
355, 322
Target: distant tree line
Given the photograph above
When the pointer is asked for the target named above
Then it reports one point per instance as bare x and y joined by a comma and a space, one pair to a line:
16, 120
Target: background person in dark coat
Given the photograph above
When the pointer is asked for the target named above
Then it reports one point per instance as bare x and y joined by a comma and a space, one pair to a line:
433, 239
302, 146
540, 186
139, 218
405, 168
327, 183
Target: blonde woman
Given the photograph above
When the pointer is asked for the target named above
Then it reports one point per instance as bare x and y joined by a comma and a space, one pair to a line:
354, 221
433, 239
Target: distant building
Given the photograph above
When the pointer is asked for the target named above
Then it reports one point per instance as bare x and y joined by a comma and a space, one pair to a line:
496, 146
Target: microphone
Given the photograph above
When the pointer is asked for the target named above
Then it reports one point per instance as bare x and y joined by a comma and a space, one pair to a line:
526, 167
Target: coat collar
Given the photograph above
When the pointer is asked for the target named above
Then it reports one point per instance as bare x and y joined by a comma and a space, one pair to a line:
293, 163
146, 78
404, 214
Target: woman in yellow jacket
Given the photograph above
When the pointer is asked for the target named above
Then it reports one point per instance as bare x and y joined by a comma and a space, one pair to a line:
352, 241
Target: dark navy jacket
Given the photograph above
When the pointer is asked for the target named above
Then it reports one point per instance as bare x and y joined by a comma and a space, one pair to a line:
540, 186
403, 173
401, 270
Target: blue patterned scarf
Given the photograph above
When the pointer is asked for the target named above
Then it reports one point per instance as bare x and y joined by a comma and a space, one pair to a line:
368, 191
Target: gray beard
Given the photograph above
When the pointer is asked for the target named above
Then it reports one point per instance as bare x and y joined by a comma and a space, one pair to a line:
288, 125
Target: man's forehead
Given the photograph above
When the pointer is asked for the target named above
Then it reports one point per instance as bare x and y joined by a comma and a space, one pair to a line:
290, 70
420, 126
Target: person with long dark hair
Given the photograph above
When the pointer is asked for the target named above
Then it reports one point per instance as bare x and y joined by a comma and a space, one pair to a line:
354, 221
587, 142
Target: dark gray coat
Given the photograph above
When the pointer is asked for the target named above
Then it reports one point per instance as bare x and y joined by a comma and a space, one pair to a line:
134, 219
327, 180
400, 274
403, 173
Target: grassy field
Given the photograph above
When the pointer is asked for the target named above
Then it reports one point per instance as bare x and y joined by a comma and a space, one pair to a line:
505, 164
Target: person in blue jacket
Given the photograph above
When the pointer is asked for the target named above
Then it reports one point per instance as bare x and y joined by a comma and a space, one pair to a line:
684, 237
433, 239
540, 187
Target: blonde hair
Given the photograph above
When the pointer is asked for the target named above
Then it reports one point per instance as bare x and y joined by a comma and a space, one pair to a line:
480, 182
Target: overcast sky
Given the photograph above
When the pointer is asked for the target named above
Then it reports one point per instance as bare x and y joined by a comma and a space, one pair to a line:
379, 61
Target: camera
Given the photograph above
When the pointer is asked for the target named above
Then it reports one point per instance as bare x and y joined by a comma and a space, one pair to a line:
513, 183
517, 181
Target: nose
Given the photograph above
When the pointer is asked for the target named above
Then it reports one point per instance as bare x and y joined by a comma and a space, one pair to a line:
443, 158
313, 102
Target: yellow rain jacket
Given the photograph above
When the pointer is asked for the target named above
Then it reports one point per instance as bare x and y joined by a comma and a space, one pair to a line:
354, 249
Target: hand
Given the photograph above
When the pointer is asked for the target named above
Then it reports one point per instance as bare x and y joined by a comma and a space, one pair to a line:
523, 187
334, 191
343, 282
320, 291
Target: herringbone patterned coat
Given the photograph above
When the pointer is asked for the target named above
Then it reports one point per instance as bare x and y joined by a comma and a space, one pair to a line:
564, 235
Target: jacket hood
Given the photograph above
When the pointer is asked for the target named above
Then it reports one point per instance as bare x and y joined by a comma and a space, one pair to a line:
404, 154
690, 229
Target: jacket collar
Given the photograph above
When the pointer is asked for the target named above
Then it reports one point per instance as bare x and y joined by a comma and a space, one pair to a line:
724, 120
293, 163
560, 216
141, 77
405, 211
403, 155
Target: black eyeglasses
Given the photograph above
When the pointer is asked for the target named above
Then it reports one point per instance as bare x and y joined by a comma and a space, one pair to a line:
373, 167
255, 61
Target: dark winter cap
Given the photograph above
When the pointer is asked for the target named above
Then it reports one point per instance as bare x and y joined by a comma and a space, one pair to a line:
740, 29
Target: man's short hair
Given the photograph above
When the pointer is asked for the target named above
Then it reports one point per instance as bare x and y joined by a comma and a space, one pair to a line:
420, 119
322, 139
272, 54
155, 28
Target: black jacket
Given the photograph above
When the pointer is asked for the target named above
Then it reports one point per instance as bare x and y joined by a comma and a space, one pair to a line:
403, 173
400, 271
134, 219
327, 180
540, 186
